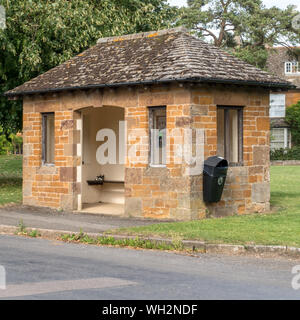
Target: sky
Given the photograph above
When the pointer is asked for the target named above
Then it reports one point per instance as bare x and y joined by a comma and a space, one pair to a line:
269, 3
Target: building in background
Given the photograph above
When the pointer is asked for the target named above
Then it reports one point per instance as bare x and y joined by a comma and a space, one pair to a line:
283, 63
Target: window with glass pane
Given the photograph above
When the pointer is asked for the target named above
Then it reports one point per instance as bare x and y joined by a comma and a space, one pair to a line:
48, 138
230, 134
280, 138
292, 67
288, 67
158, 121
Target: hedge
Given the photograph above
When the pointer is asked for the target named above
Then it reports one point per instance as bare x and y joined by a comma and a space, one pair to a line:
286, 154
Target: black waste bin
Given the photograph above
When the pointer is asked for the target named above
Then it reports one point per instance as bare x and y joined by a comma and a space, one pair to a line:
214, 177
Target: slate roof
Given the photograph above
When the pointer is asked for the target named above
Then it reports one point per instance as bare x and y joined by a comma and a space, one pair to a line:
153, 57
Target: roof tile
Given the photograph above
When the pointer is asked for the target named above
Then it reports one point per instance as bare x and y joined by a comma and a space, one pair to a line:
160, 56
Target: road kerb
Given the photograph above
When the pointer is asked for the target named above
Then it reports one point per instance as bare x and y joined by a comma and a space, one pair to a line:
201, 246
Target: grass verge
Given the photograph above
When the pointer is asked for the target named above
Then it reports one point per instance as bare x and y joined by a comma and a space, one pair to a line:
131, 243
279, 228
83, 238
10, 179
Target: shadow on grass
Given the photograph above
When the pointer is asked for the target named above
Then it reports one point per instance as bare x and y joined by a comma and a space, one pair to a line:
10, 181
277, 195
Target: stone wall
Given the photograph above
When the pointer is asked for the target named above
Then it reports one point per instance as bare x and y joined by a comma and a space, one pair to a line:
276, 64
169, 192
292, 97
247, 187
159, 192
279, 163
47, 185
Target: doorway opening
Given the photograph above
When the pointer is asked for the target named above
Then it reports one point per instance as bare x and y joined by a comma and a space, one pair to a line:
103, 168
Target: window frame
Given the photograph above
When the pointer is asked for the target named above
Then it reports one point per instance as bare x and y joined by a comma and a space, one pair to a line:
274, 107
227, 144
151, 111
44, 138
289, 65
286, 138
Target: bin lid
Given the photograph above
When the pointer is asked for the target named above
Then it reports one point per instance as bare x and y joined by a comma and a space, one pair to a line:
216, 162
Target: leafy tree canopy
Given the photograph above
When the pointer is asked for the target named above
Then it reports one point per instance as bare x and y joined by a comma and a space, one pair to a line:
42, 34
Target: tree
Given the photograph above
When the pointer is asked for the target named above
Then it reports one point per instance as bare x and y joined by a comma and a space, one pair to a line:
215, 19
42, 34
244, 27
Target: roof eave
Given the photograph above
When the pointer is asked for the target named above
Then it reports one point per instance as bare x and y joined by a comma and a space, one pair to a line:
270, 85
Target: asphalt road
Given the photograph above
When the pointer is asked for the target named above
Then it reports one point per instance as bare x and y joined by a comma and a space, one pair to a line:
44, 218
42, 269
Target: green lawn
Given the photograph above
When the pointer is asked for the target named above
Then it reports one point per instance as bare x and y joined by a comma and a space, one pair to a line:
10, 179
280, 228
